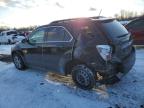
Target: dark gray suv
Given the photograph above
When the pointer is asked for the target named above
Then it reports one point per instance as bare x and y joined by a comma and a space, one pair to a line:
93, 50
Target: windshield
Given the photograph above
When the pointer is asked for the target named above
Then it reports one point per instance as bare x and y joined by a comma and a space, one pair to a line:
114, 28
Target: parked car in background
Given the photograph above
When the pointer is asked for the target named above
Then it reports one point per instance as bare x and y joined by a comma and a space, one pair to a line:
93, 50
10, 36
136, 28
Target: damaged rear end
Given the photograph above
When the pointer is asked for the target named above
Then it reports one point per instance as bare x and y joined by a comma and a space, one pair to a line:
106, 47
119, 53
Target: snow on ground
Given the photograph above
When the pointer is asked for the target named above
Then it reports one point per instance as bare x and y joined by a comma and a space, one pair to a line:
5, 49
33, 89
30, 89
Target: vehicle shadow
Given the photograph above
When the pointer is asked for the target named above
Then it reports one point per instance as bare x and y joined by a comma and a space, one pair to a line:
100, 91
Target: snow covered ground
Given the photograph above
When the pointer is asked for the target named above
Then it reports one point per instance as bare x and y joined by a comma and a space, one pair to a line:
35, 89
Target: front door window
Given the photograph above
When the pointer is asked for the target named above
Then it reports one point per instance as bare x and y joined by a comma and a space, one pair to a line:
37, 36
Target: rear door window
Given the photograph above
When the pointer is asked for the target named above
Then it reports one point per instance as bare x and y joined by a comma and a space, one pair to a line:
57, 34
114, 28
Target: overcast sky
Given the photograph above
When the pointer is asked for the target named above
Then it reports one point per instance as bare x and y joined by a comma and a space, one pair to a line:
20, 13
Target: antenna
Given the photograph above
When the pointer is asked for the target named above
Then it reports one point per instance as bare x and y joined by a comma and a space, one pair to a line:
100, 12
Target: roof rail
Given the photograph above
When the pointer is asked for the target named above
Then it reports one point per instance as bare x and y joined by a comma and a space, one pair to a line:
72, 19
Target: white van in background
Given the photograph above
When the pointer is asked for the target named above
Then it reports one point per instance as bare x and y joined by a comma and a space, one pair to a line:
10, 36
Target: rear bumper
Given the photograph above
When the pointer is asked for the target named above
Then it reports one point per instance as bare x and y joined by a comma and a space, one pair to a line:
116, 66
124, 67
128, 62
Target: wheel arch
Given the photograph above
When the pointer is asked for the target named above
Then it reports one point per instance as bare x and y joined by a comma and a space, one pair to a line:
20, 53
70, 64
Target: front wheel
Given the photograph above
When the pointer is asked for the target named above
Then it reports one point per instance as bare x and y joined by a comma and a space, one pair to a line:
18, 61
83, 77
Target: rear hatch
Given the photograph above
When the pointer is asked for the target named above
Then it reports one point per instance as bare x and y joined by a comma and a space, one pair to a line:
120, 38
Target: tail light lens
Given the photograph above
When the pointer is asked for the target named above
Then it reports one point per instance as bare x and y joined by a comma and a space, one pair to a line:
105, 51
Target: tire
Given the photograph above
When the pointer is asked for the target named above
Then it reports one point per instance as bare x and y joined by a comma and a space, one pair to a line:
18, 61
83, 77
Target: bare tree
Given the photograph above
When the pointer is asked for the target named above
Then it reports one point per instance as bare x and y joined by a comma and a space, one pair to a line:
124, 14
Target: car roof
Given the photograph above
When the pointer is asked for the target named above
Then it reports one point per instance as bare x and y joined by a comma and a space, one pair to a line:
68, 21
141, 18
135, 20
83, 19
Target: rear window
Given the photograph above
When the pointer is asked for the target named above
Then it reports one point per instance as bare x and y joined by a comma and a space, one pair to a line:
87, 27
114, 28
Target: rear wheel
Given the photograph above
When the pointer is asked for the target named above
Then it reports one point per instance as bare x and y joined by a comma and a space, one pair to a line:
18, 61
83, 77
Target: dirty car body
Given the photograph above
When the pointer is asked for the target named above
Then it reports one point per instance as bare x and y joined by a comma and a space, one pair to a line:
103, 45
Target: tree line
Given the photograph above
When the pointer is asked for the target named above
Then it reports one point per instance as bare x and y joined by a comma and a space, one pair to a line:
128, 15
